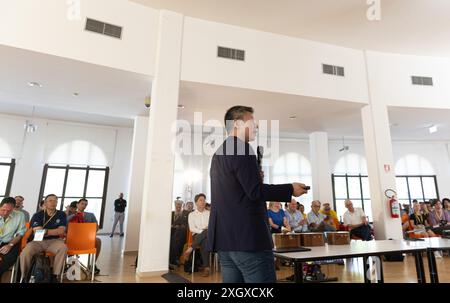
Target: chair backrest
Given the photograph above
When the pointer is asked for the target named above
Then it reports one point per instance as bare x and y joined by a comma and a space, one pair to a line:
81, 236
25, 237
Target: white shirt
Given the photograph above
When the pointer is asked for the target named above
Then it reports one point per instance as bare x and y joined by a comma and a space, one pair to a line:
354, 218
198, 221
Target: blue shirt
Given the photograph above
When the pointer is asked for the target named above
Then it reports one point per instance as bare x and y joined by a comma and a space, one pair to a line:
40, 218
277, 218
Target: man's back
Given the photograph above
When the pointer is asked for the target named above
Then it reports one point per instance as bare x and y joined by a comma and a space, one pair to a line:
238, 220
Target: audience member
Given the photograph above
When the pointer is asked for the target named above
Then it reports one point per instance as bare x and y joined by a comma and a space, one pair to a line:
53, 222
71, 209
19, 207
277, 218
439, 219
318, 222
419, 223
198, 225
356, 221
295, 218
446, 204
189, 206
83, 216
330, 214
119, 214
12, 229
178, 232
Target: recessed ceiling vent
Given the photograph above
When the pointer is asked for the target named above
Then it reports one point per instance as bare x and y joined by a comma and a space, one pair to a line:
230, 53
103, 28
417, 80
333, 70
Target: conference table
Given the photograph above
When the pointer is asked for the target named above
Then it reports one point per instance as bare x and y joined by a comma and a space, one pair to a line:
366, 249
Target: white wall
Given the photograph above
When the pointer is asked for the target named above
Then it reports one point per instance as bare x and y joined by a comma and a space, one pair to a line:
43, 26
390, 80
30, 164
273, 62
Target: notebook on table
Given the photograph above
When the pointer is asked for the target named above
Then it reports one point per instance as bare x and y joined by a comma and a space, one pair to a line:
290, 249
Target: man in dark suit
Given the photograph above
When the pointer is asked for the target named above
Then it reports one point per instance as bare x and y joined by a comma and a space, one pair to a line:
238, 228
178, 232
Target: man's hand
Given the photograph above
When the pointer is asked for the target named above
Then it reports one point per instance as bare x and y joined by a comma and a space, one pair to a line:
5, 249
299, 189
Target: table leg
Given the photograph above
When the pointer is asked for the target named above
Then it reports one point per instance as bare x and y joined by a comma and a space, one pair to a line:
380, 274
419, 267
432, 266
298, 272
366, 269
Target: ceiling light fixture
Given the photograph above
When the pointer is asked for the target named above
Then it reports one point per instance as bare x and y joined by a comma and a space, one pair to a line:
30, 126
76, 94
35, 84
293, 117
180, 106
432, 129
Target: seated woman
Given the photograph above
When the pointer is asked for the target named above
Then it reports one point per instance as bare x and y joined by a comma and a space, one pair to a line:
419, 225
277, 218
439, 219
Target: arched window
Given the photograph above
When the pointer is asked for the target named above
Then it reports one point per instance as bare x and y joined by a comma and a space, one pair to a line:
350, 181
415, 180
293, 167
75, 170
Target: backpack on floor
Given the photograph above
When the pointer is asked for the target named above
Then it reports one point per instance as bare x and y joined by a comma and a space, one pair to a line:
40, 271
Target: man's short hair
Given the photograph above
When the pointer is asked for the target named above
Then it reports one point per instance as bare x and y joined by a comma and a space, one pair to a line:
82, 199
198, 197
8, 200
50, 195
445, 199
73, 204
235, 113
20, 197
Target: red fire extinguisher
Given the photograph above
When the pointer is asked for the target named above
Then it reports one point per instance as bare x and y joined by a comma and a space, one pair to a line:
394, 206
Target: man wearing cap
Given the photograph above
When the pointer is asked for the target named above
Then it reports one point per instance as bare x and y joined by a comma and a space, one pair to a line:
178, 232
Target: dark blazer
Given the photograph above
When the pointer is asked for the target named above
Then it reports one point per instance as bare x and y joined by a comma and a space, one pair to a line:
238, 219
182, 220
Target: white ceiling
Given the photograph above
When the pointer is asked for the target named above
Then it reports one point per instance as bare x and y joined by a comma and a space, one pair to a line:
413, 123
419, 27
106, 95
338, 118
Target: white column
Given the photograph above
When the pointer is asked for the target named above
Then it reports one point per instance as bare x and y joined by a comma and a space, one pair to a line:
378, 147
320, 166
136, 183
154, 238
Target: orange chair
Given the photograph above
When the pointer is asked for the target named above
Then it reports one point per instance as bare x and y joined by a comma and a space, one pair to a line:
189, 244
23, 243
81, 241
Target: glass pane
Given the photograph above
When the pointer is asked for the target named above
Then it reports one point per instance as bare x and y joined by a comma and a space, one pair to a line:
356, 203
415, 188
402, 188
340, 188
95, 206
75, 183
5, 160
365, 187
340, 209
96, 180
54, 182
368, 209
354, 188
4, 174
429, 188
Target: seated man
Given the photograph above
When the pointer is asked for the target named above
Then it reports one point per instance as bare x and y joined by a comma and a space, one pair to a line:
355, 221
54, 223
295, 218
85, 217
178, 232
71, 209
330, 215
19, 207
189, 206
198, 225
12, 228
317, 221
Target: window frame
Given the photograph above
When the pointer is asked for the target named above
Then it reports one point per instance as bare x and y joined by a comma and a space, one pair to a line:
366, 176
67, 168
12, 167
